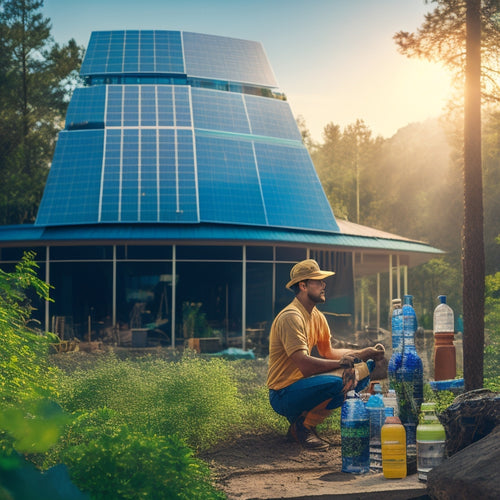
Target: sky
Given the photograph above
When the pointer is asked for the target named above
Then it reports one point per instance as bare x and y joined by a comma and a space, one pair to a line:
335, 59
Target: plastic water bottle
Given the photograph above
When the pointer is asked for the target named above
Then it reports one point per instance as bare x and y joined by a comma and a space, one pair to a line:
445, 361
355, 435
376, 410
391, 401
393, 437
431, 441
397, 341
410, 381
444, 320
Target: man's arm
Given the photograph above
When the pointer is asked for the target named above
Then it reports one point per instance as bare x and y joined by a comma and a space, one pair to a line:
326, 350
310, 365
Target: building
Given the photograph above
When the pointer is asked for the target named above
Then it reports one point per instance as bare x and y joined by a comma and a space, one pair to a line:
181, 193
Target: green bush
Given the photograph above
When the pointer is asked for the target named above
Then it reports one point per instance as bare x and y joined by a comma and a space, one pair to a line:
195, 398
123, 464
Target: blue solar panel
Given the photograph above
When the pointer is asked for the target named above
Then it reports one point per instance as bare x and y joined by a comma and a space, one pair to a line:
271, 117
86, 108
133, 52
182, 106
229, 189
111, 178
114, 105
292, 192
71, 195
216, 110
222, 58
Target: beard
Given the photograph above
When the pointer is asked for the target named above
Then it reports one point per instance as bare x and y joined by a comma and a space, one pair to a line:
318, 298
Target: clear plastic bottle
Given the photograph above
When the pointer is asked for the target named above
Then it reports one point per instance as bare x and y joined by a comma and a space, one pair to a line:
355, 435
431, 441
397, 341
445, 360
393, 437
376, 410
443, 320
390, 400
410, 381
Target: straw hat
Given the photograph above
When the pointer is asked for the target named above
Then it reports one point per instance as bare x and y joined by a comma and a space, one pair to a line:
307, 270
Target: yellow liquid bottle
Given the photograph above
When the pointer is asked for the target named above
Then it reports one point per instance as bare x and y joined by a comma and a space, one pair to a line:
393, 437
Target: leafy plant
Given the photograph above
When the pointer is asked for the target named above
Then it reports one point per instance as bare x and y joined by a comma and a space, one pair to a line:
125, 464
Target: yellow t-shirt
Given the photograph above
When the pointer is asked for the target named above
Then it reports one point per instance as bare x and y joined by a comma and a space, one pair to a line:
294, 329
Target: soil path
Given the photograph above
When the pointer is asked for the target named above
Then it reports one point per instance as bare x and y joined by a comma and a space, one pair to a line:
270, 467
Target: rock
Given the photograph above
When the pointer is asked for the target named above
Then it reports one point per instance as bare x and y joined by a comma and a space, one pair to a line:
470, 473
472, 416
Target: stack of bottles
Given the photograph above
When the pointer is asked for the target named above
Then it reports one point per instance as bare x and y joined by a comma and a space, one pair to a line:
397, 342
445, 362
431, 441
408, 377
355, 435
376, 411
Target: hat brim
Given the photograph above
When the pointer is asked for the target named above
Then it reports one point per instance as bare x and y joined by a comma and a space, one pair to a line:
316, 275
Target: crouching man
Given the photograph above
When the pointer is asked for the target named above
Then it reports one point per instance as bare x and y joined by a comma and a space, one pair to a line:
303, 388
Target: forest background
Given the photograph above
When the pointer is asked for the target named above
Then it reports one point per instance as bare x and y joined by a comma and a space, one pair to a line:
410, 184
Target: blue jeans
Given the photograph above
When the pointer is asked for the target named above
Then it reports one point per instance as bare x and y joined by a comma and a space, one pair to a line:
309, 392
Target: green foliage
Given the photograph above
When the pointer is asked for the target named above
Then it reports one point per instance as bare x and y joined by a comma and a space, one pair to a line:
36, 77
492, 338
124, 464
194, 398
25, 372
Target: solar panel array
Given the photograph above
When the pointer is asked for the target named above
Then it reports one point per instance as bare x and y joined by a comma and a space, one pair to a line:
177, 154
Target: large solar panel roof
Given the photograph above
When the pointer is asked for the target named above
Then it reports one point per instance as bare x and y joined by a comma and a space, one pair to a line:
174, 153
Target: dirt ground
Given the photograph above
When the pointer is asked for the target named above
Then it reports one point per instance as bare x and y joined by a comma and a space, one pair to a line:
271, 467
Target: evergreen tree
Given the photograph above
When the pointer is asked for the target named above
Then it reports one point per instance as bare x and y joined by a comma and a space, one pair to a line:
36, 76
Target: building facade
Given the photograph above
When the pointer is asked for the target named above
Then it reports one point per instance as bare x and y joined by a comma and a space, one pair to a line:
180, 195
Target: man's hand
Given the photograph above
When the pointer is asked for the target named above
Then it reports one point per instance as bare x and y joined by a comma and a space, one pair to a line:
376, 353
348, 359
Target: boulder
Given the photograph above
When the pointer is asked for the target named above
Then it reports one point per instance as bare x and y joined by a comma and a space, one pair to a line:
471, 416
469, 473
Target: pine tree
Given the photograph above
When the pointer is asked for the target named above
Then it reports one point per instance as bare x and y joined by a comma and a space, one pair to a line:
36, 76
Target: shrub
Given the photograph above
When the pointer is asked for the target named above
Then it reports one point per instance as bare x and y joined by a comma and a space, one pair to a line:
195, 398
124, 464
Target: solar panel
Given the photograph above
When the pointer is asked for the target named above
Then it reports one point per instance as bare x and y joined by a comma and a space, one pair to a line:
271, 117
86, 108
229, 187
292, 192
216, 110
71, 195
140, 151
133, 52
222, 58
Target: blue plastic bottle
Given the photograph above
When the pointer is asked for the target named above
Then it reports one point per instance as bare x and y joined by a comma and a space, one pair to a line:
355, 435
376, 410
410, 380
397, 341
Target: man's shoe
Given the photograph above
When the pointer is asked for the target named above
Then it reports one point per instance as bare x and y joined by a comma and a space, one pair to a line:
307, 438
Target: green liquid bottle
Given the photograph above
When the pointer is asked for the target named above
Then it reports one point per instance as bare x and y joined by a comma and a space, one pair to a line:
431, 441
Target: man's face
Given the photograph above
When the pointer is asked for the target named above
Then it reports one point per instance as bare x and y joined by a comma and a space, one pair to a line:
316, 290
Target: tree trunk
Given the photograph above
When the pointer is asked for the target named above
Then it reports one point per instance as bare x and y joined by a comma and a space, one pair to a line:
473, 239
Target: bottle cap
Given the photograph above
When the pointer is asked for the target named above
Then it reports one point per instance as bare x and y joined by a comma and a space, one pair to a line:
392, 420
442, 299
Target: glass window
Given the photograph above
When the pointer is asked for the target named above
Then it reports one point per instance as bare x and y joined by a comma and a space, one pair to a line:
283, 295
83, 294
290, 254
81, 253
140, 252
209, 253
144, 300
259, 253
16, 253
208, 299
